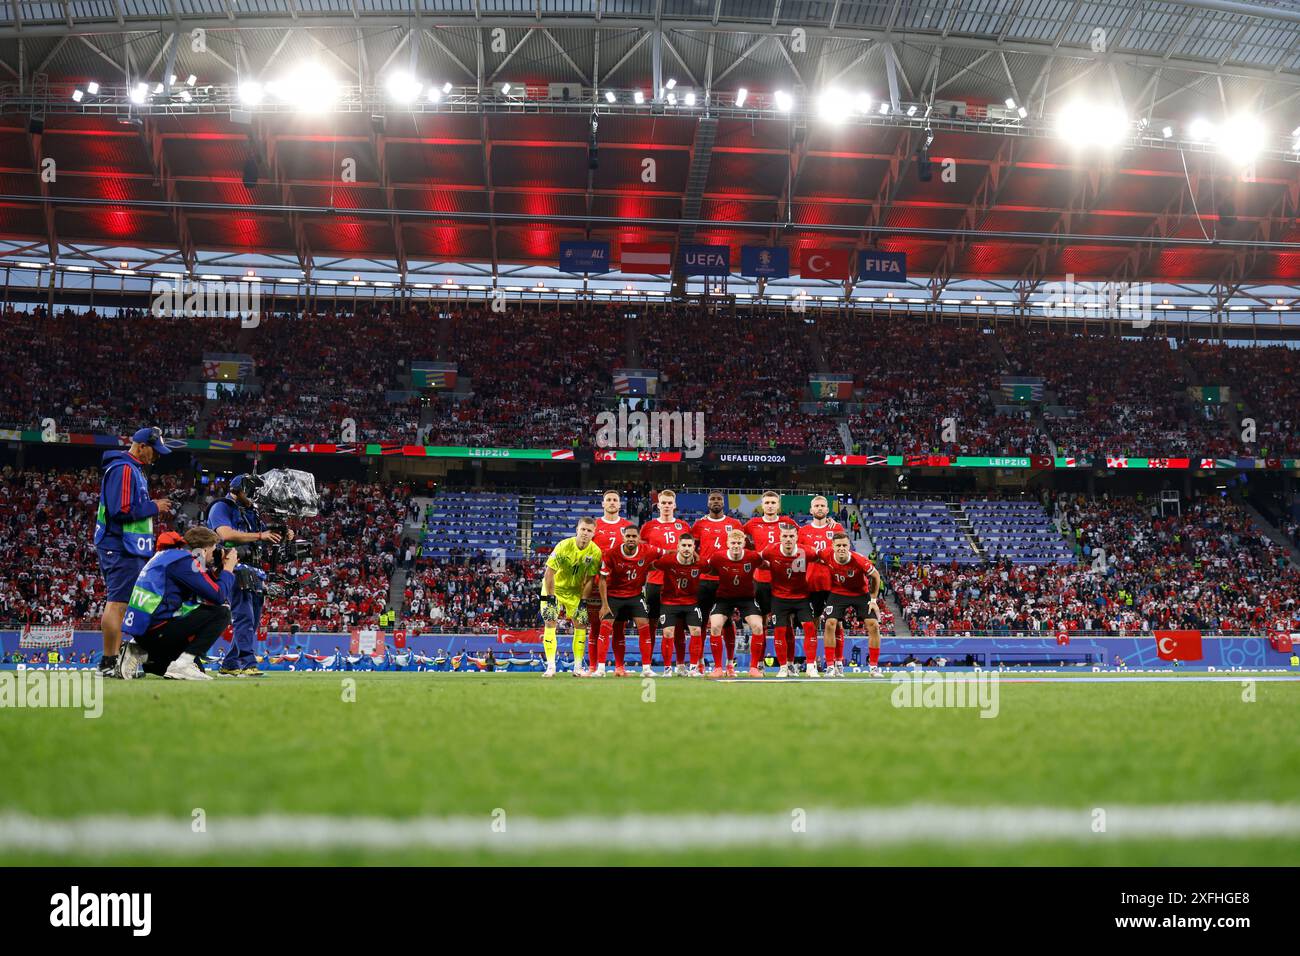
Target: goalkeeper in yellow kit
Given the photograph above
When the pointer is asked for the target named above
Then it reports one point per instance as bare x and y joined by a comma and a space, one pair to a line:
571, 570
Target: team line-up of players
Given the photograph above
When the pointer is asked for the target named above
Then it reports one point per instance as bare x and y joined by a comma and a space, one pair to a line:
683, 575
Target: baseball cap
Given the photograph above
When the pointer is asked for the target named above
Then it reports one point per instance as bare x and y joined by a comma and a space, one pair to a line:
153, 438
253, 482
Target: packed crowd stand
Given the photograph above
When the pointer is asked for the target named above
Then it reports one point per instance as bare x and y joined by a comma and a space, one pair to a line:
541, 378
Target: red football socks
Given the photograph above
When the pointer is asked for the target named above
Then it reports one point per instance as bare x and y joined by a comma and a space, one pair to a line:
810, 642
646, 635
620, 644
779, 637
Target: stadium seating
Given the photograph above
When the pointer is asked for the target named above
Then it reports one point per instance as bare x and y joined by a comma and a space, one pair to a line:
905, 530
555, 517
538, 379
477, 524
1018, 531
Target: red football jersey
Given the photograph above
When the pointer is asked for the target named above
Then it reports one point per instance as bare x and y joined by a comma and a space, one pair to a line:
766, 534
711, 537
852, 579
681, 581
624, 576
789, 573
818, 541
735, 578
663, 535
609, 534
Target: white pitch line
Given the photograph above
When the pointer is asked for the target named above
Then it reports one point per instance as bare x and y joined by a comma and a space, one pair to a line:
665, 833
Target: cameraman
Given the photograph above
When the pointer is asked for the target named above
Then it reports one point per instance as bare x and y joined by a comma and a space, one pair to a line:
235, 520
124, 531
177, 611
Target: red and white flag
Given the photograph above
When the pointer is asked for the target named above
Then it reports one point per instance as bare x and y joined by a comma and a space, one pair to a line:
824, 263
1179, 645
650, 258
1116, 462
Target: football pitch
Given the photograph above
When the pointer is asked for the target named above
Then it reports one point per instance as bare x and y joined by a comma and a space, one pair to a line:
420, 768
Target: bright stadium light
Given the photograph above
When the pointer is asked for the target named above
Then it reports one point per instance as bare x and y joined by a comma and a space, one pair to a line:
1167, 132
742, 94
158, 88
690, 98
1092, 124
191, 80
310, 87
435, 94
251, 92
77, 96
185, 96
672, 99
447, 87
92, 88
403, 87
671, 84
505, 89
784, 101
1011, 104
610, 97
139, 92
833, 105
1242, 138
1200, 129
911, 110
638, 97
863, 103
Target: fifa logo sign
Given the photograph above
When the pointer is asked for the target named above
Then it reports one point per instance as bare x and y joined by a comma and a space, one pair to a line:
651, 430
201, 299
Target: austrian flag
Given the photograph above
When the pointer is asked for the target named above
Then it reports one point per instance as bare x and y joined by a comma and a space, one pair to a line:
648, 258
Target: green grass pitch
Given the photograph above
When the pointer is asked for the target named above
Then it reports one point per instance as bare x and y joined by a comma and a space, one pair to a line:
437, 745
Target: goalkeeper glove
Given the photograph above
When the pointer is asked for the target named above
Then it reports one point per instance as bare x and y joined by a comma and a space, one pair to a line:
550, 612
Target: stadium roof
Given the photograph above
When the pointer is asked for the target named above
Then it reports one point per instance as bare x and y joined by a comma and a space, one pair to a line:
498, 178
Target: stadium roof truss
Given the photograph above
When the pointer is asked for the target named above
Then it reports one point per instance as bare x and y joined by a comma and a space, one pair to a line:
492, 180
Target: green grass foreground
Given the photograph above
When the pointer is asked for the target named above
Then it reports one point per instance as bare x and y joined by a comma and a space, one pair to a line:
461, 744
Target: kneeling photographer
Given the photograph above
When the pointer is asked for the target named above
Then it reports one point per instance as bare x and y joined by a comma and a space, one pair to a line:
177, 609
235, 520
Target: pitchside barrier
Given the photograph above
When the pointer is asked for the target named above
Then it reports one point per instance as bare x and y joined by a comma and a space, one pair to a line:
1249, 651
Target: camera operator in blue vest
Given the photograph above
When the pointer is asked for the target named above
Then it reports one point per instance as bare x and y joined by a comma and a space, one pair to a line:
235, 520
124, 538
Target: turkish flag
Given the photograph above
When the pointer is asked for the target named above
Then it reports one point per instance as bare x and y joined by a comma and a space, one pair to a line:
1179, 645
824, 263
1063, 637
399, 639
